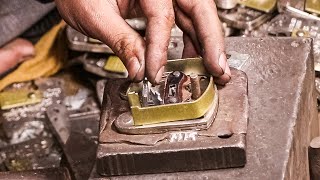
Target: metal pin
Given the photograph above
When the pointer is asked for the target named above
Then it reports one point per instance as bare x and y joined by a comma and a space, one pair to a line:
145, 93
195, 86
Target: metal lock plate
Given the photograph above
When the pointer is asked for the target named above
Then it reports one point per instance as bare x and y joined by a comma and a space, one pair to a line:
261, 5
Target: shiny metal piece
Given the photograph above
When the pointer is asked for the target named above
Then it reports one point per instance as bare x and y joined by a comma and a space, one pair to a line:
261, 5
226, 4
176, 111
125, 123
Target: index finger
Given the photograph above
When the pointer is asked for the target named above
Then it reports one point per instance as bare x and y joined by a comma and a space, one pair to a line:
160, 20
203, 14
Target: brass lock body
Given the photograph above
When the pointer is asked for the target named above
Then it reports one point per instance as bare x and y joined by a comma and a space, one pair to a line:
185, 99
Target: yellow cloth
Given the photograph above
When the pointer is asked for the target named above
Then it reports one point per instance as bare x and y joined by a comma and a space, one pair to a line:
50, 54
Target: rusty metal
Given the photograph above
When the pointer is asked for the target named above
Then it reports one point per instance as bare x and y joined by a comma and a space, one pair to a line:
178, 149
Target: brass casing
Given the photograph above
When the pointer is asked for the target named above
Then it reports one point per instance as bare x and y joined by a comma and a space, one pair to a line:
178, 111
261, 5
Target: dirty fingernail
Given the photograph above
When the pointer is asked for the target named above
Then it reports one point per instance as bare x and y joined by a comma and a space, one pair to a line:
223, 61
159, 75
133, 68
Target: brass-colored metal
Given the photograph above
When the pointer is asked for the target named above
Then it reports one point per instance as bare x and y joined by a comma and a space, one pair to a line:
125, 124
178, 111
115, 65
313, 6
261, 5
12, 99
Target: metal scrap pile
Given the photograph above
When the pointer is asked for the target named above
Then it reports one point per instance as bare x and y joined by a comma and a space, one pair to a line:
54, 122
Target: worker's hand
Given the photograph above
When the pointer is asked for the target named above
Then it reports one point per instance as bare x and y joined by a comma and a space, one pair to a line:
15, 52
104, 20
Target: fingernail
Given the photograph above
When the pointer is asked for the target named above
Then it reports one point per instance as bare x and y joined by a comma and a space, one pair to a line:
227, 70
159, 75
133, 67
223, 61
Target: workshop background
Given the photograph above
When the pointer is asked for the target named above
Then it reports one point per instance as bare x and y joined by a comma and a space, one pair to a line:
51, 105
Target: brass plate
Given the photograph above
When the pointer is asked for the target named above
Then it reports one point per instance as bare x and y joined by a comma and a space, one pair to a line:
12, 99
261, 5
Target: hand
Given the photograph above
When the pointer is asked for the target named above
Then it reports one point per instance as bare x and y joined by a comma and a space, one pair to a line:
15, 52
104, 20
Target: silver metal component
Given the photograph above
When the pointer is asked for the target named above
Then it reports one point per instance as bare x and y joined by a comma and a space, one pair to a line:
176, 73
145, 93
226, 4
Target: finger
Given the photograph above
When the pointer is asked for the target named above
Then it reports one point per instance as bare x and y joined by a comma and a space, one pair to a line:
102, 20
222, 80
15, 52
160, 20
189, 50
207, 25
185, 23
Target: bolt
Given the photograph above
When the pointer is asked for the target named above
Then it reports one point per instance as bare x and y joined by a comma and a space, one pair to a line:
195, 86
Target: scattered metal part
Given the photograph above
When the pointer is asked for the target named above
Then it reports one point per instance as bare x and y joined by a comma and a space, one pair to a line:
126, 154
244, 18
226, 4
